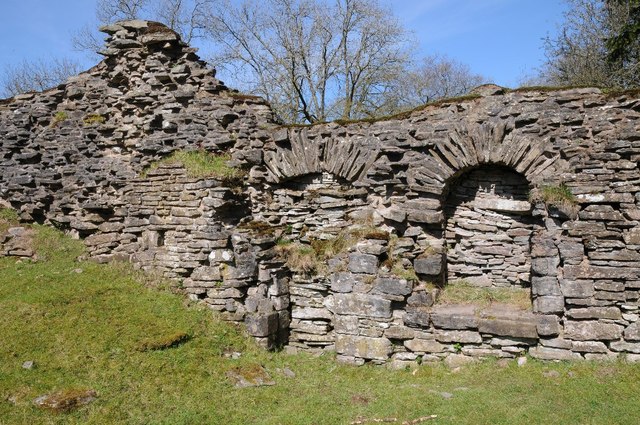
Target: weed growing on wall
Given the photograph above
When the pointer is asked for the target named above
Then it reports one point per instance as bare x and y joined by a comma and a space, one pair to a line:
8, 217
557, 196
201, 164
92, 119
463, 292
59, 117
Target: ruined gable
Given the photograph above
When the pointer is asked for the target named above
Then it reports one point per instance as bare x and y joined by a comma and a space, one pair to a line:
347, 236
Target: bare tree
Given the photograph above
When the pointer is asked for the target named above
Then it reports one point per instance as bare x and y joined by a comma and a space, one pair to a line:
115, 10
183, 16
186, 17
313, 60
36, 75
435, 77
578, 54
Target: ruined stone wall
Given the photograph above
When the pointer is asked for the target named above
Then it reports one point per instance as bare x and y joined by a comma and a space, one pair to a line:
489, 228
344, 236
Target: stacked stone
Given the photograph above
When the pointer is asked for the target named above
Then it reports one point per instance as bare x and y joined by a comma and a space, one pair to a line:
489, 228
73, 156
75, 145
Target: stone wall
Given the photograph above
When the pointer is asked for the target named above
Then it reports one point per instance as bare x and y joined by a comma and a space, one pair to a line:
489, 228
344, 237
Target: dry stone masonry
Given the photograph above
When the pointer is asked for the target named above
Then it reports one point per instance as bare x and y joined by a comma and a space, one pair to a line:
344, 237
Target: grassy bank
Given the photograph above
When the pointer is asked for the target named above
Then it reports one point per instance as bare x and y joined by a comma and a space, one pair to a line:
89, 326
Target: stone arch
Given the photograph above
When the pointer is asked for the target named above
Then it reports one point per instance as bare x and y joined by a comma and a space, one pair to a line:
470, 145
295, 153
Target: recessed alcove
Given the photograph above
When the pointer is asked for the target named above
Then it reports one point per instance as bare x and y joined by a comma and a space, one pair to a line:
488, 228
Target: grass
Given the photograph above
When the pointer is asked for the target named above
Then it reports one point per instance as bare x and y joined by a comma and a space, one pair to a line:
201, 164
8, 218
82, 331
462, 292
94, 119
558, 196
311, 258
59, 117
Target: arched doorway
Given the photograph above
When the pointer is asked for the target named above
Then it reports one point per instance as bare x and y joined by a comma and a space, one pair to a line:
488, 228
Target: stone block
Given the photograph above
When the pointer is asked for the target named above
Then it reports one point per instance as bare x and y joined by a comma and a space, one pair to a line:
399, 332
571, 252
307, 313
429, 265
548, 305
612, 313
627, 347
577, 288
589, 347
632, 333
511, 327
545, 286
592, 331
545, 266
416, 316
363, 263
393, 214
422, 216
548, 325
462, 337
372, 247
424, 345
454, 317
363, 347
346, 325
361, 305
261, 325
420, 298
392, 286
548, 353
562, 343
342, 282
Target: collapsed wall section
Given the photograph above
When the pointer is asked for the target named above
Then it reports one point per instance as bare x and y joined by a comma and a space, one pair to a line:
347, 237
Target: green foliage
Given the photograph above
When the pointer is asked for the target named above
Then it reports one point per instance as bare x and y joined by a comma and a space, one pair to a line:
200, 164
462, 292
9, 215
623, 46
311, 258
559, 196
94, 119
59, 117
82, 330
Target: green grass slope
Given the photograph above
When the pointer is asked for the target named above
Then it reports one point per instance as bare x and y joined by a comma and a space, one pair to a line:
153, 358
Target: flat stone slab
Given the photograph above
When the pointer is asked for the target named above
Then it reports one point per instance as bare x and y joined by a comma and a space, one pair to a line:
363, 347
504, 321
454, 317
361, 305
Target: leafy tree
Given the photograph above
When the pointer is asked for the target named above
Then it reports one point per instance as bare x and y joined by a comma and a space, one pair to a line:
580, 54
624, 46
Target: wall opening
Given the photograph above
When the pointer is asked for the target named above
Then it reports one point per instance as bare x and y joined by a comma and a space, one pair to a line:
488, 228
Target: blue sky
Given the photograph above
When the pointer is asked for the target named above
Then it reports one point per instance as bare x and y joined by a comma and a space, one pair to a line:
500, 39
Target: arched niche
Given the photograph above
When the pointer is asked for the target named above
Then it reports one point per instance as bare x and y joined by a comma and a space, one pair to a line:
314, 204
488, 228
